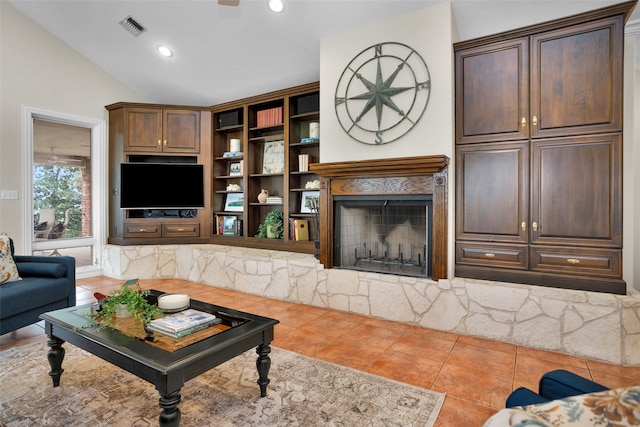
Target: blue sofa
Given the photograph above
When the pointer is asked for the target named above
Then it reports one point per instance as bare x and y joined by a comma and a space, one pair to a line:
48, 283
553, 385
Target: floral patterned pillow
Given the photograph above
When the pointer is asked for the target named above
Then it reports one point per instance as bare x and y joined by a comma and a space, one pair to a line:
8, 270
615, 408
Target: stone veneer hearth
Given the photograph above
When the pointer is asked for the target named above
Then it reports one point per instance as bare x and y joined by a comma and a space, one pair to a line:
597, 326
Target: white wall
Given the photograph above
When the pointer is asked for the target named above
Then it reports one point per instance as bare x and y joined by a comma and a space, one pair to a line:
40, 71
431, 32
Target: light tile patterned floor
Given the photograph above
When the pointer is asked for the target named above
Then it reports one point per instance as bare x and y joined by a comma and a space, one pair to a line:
476, 374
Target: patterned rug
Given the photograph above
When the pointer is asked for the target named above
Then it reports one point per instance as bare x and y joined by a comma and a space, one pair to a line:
303, 392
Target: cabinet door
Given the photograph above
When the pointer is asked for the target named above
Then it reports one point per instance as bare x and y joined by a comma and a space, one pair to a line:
576, 76
181, 131
576, 191
492, 192
143, 129
492, 92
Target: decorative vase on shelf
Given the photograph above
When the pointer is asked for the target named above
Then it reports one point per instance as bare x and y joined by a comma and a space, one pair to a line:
262, 197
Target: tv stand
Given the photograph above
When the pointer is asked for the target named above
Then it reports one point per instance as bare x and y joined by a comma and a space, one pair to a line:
154, 134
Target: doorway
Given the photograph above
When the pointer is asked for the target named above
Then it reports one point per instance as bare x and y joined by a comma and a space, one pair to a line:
63, 160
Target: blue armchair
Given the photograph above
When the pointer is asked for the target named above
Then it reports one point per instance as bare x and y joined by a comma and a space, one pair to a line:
48, 283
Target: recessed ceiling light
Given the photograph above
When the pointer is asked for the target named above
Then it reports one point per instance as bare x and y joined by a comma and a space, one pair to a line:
165, 51
276, 5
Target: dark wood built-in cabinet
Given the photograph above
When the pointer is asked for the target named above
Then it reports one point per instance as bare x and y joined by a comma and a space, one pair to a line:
202, 135
288, 114
143, 133
161, 130
539, 153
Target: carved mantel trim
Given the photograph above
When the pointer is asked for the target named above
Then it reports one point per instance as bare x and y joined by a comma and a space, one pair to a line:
424, 175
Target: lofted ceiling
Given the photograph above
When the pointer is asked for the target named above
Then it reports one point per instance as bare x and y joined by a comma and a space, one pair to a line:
222, 53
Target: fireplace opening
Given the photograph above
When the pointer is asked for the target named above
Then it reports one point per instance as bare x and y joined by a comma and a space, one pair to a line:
384, 234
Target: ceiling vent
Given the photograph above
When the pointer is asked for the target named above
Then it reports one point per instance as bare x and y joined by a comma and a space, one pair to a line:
132, 26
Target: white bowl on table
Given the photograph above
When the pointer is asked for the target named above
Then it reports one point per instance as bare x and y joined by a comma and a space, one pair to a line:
173, 302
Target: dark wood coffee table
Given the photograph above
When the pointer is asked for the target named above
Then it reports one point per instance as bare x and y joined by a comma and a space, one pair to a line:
167, 370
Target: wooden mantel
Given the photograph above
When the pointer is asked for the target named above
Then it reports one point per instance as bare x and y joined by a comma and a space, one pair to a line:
424, 175
404, 166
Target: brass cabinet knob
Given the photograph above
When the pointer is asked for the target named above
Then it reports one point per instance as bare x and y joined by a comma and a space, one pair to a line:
535, 120
534, 226
573, 261
180, 229
142, 230
524, 122
165, 143
523, 226
490, 255
159, 143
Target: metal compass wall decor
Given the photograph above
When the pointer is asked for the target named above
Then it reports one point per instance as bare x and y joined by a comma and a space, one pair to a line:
382, 93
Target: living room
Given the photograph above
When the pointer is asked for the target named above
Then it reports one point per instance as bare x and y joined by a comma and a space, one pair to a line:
63, 86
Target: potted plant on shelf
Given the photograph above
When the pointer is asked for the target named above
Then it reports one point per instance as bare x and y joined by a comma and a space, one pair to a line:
273, 226
130, 298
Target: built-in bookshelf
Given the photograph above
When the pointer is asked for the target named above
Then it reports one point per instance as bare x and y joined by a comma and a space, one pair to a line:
273, 130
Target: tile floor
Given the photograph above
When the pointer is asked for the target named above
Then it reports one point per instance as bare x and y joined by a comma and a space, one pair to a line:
476, 374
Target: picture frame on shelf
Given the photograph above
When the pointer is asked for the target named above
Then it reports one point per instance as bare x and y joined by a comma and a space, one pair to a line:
234, 202
309, 199
273, 157
235, 168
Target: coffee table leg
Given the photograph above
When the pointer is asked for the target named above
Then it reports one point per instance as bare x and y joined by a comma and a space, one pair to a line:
263, 364
55, 357
170, 415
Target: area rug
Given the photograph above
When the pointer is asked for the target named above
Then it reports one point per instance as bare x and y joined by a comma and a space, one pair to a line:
303, 392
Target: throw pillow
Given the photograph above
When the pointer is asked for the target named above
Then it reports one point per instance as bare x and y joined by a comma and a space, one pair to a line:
41, 269
8, 270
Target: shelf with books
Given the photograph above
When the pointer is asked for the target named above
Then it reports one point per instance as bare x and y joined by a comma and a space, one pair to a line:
271, 128
228, 148
303, 149
229, 224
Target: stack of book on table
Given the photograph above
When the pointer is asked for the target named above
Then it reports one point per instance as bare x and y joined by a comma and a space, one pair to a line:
183, 323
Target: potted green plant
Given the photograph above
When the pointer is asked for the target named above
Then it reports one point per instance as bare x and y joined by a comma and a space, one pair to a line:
128, 297
272, 226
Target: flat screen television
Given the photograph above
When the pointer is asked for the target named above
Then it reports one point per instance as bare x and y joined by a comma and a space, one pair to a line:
161, 186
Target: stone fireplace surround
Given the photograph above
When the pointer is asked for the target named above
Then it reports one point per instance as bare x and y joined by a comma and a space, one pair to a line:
594, 325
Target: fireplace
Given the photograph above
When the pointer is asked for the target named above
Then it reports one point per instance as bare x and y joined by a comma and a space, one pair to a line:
400, 206
386, 234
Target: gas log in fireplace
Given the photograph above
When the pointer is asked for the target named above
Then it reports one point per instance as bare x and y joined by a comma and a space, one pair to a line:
386, 215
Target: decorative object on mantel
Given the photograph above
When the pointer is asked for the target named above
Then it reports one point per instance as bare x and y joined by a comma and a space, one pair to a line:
273, 226
401, 87
99, 393
262, 197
